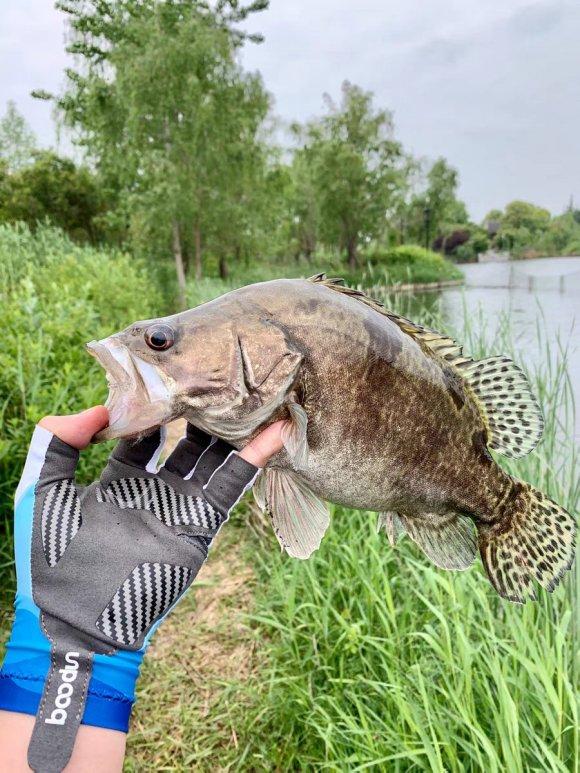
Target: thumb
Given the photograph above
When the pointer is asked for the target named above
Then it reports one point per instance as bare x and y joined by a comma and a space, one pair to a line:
77, 429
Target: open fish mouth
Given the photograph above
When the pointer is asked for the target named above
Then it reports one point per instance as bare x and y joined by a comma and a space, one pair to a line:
140, 395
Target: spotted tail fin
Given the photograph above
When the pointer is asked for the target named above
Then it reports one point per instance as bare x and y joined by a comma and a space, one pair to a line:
532, 542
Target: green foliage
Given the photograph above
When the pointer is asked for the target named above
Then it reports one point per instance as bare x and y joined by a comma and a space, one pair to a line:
522, 214
434, 212
171, 121
17, 141
408, 264
53, 189
358, 170
572, 248
56, 296
527, 230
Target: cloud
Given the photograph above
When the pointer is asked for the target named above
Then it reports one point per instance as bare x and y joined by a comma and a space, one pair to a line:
538, 18
491, 85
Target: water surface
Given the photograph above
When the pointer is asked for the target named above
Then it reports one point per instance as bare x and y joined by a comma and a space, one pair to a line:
542, 293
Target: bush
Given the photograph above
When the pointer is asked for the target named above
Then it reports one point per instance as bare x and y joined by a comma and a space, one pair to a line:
56, 296
572, 248
410, 263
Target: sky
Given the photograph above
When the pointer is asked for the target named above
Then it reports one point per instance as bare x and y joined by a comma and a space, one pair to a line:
492, 85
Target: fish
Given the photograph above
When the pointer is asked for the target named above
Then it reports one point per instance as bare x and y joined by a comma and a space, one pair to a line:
383, 415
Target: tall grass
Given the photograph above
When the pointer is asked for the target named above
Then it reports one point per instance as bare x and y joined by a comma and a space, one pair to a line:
378, 660
404, 265
370, 657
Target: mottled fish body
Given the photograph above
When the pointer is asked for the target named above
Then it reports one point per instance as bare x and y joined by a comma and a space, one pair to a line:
385, 415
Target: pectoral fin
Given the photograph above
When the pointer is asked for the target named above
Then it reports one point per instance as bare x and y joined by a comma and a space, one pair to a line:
299, 518
294, 436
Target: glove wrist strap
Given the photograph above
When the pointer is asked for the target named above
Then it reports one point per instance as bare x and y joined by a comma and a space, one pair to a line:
61, 707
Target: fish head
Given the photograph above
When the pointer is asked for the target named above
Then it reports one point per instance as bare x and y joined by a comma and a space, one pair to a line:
225, 373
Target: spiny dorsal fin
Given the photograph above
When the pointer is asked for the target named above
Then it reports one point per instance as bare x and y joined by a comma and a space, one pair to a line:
503, 394
514, 418
437, 343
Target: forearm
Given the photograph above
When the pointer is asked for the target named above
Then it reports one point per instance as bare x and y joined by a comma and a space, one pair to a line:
77, 643
95, 749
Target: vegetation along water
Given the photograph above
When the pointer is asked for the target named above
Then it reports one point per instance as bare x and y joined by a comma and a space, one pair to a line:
363, 657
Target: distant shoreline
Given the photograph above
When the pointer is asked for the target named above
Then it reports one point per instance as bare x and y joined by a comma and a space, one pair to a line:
420, 286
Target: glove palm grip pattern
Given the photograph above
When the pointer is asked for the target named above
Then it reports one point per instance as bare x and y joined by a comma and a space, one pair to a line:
166, 504
109, 561
61, 519
148, 593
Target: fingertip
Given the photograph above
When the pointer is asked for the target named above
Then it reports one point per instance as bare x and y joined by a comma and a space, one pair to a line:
77, 429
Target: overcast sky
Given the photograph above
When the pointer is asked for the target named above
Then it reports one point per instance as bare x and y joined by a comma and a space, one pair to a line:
493, 85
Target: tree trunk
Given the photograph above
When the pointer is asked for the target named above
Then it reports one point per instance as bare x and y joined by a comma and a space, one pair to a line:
198, 266
223, 266
178, 255
352, 253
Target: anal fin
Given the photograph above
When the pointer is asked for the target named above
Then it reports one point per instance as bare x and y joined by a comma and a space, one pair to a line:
448, 539
299, 518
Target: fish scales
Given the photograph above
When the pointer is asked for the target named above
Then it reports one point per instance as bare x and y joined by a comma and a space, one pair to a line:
379, 409
384, 415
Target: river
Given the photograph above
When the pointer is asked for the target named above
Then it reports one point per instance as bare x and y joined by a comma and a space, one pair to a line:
542, 293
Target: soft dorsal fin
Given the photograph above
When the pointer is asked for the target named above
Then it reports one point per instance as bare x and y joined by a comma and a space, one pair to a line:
514, 418
510, 411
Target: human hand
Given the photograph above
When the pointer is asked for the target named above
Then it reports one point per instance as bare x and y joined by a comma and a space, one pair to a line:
99, 567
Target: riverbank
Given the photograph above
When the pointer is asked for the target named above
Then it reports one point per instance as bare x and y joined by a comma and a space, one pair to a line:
363, 657
414, 288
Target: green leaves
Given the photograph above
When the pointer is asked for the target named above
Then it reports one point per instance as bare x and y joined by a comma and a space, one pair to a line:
55, 296
17, 141
356, 169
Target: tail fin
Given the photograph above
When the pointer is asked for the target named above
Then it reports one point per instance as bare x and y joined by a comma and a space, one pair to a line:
532, 541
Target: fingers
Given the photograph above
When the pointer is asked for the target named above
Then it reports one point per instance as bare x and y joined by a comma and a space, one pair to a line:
259, 450
142, 454
184, 458
237, 472
54, 449
212, 458
78, 429
227, 484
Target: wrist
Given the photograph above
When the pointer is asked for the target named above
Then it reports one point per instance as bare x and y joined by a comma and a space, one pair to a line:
111, 691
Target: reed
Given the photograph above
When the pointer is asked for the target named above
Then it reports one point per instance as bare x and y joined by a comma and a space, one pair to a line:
378, 660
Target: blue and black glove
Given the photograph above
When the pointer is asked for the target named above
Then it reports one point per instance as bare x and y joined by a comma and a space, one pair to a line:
98, 568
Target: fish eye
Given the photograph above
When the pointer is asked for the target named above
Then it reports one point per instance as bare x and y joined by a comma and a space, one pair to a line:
159, 337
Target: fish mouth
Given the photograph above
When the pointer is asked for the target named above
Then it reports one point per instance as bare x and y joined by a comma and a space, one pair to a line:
140, 395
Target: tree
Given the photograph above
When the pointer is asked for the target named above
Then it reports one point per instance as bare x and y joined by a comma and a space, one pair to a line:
358, 169
522, 225
522, 214
17, 141
54, 189
304, 204
436, 212
163, 109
